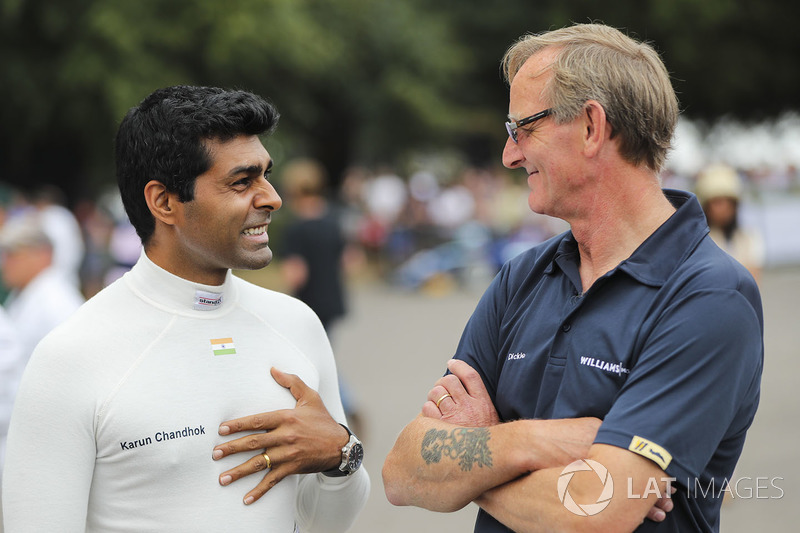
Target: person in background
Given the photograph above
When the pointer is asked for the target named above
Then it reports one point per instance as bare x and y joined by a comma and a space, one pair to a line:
719, 190
41, 296
8, 197
315, 253
40, 299
12, 363
61, 226
313, 250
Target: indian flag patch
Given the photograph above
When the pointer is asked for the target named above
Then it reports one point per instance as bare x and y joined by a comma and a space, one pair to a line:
223, 346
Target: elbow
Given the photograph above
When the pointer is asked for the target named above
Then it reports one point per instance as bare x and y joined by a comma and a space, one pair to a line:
405, 490
394, 496
393, 485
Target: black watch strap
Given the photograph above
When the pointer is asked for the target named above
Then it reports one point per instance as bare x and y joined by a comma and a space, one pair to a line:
337, 471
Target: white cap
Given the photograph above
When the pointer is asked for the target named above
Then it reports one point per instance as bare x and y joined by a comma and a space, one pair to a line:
716, 181
24, 232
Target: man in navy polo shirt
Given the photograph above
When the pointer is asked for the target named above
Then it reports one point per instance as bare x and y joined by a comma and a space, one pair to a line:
612, 364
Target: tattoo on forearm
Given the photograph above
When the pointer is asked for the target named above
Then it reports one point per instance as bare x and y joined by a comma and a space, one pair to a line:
469, 446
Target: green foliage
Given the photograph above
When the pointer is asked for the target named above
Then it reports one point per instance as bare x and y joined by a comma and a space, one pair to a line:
353, 78
356, 81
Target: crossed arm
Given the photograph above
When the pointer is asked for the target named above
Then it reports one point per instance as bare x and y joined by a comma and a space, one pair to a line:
459, 452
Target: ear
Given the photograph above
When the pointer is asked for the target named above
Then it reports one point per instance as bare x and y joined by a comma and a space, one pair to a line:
596, 128
161, 202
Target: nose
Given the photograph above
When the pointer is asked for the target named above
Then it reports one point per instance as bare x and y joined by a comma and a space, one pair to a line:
512, 155
266, 197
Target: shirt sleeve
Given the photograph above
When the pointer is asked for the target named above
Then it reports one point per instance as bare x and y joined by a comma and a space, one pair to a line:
51, 446
327, 504
331, 504
480, 342
694, 385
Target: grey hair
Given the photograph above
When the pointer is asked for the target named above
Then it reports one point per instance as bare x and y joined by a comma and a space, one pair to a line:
627, 78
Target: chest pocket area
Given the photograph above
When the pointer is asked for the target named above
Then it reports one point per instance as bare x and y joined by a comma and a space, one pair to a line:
549, 394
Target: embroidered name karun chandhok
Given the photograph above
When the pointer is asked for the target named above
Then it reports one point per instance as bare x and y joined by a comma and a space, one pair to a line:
223, 346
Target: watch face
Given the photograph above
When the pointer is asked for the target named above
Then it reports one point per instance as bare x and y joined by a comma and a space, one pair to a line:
356, 456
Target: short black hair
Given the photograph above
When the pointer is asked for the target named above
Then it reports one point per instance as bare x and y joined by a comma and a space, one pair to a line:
163, 139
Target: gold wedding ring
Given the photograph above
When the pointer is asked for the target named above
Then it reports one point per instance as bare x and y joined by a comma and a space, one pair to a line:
446, 395
266, 458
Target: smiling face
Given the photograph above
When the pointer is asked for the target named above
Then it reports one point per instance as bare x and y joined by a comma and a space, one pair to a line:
547, 151
225, 225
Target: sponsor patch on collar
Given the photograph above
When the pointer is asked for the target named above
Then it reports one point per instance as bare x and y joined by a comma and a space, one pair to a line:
207, 301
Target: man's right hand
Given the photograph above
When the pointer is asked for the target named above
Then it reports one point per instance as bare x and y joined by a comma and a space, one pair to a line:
305, 439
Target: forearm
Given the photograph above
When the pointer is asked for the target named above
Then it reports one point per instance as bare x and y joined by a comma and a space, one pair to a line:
328, 504
443, 467
525, 504
532, 503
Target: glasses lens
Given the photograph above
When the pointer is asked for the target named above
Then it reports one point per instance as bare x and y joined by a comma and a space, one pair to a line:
512, 131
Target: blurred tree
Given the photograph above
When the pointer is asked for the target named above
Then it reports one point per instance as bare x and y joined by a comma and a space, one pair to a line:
355, 80
726, 57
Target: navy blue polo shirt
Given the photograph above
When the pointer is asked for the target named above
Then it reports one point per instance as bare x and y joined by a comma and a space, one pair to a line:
666, 349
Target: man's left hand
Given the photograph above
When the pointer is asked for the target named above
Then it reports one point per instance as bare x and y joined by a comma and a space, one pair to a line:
461, 398
302, 440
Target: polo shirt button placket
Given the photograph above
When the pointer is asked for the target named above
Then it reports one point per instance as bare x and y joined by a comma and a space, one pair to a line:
566, 327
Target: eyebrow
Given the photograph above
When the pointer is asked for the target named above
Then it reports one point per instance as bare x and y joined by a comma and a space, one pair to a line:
250, 169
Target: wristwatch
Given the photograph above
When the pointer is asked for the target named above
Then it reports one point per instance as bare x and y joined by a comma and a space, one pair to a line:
352, 456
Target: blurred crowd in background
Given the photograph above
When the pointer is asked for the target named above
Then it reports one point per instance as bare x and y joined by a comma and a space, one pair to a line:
92, 241
410, 230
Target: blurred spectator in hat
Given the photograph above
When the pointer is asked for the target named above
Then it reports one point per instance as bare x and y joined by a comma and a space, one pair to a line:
41, 296
719, 190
